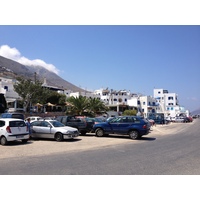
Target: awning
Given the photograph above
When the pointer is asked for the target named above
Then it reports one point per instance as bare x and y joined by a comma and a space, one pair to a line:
50, 104
38, 104
9, 100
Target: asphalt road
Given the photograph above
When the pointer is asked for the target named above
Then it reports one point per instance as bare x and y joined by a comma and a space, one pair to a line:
159, 154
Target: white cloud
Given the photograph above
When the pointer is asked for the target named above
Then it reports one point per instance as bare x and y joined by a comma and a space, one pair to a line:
14, 54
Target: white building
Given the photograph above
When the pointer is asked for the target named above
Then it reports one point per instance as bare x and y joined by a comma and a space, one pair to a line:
144, 104
168, 103
6, 88
114, 99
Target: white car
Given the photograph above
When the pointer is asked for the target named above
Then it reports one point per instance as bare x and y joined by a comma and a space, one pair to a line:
33, 118
52, 129
12, 130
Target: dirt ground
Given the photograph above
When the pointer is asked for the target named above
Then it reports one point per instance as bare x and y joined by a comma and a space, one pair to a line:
81, 143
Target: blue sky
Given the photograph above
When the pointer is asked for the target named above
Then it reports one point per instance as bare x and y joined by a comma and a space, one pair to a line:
135, 58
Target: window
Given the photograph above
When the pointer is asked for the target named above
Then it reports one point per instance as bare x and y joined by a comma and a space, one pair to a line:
6, 88
2, 123
45, 124
143, 103
17, 124
136, 120
36, 123
170, 98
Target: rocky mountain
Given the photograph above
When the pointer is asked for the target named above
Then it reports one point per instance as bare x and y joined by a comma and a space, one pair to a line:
13, 69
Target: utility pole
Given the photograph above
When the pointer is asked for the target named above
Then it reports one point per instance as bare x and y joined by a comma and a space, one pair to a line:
35, 77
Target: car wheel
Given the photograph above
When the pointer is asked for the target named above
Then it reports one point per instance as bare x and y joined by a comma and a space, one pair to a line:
3, 141
58, 137
134, 134
99, 132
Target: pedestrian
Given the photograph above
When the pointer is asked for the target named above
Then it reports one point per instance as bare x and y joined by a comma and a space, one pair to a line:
28, 124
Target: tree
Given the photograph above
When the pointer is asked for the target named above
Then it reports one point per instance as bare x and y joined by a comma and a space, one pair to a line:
79, 104
96, 106
57, 98
83, 105
31, 92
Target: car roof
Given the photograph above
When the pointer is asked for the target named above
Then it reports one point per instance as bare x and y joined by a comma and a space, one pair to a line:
47, 120
33, 117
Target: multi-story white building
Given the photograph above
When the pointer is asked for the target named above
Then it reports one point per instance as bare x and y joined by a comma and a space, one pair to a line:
113, 97
144, 104
168, 103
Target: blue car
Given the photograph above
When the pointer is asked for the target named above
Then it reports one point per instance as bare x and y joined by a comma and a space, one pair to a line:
133, 126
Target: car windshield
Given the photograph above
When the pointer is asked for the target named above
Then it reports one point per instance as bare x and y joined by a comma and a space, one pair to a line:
56, 123
114, 120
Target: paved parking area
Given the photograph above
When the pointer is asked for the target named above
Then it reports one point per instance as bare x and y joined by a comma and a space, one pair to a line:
90, 141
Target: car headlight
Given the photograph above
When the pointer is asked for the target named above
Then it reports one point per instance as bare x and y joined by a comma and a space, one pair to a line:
69, 132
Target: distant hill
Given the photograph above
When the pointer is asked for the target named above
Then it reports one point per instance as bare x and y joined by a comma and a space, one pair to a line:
196, 112
13, 69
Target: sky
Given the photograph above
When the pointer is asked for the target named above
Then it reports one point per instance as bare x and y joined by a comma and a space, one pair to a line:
113, 52
138, 58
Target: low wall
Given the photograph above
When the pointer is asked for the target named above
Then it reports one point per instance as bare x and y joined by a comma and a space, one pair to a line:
46, 114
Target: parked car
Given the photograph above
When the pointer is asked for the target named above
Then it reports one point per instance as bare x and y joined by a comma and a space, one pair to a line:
110, 119
182, 119
33, 118
133, 126
12, 130
190, 119
52, 129
12, 115
89, 124
76, 122
99, 120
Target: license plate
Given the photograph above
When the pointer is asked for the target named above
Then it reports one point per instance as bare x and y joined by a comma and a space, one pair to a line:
19, 136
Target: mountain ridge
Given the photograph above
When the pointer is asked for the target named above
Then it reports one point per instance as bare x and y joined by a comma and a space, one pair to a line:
13, 69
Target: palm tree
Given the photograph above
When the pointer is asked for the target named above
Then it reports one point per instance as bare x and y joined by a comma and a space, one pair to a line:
79, 104
83, 104
96, 106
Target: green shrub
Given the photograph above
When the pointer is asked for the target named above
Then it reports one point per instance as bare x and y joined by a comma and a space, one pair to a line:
130, 112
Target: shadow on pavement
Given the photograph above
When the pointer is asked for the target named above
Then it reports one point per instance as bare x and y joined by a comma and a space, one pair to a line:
125, 137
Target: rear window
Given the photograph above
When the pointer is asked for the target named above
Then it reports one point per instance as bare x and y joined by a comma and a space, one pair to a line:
17, 124
12, 115
17, 116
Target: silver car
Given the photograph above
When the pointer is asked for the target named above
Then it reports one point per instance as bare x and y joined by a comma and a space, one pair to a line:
52, 129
